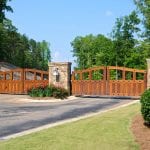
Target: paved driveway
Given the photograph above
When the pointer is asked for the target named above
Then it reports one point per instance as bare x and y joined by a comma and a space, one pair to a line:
17, 116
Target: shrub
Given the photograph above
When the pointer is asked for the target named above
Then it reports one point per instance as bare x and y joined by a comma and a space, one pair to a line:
48, 91
36, 92
60, 93
33, 92
145, 106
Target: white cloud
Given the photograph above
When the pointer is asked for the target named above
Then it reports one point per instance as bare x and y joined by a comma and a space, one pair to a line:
56, 56
108, 13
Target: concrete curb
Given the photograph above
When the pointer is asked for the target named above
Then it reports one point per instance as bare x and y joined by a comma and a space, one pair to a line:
64, 121
30, 100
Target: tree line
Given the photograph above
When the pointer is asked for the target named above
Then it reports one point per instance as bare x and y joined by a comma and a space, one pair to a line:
128, 44
18, 49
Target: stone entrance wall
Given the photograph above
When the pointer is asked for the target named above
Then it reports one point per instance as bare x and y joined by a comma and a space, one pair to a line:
60, 74
148, 73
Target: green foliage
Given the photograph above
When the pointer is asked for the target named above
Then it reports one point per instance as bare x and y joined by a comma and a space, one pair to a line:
123, 38
97, 75
48, 91
122, 50
85, 75
4, 7
144, 8
92, 51
36, 92
145, 106
60, 93
19, 49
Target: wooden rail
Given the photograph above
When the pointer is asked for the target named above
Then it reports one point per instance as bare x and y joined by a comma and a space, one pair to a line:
19, 81
111, 80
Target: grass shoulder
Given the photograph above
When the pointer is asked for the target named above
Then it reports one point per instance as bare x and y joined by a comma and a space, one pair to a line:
110, 130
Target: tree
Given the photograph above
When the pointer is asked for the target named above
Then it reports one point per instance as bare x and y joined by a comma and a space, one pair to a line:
8, 41
144, 7
4, 7
45, 52
82, 48
123, 37
19, 49
92, 51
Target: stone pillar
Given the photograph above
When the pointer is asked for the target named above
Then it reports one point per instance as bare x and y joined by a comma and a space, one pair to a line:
60, 74
148, 73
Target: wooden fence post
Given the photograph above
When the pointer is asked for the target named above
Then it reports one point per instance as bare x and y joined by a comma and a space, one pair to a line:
22, 80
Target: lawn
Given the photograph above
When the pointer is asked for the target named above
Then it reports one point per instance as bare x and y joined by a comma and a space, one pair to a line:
107, 131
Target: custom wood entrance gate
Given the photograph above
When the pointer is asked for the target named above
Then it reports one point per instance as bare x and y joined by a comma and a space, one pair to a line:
111, 80
19, 81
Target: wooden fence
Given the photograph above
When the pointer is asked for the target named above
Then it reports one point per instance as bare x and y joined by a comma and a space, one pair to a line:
19, 81
111, 80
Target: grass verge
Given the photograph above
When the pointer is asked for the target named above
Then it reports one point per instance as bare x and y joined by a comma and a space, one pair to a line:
108, 131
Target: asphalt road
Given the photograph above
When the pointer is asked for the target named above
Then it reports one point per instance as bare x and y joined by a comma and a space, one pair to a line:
16, 116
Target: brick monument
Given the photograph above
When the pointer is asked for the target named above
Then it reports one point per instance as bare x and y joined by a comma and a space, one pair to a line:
60, 74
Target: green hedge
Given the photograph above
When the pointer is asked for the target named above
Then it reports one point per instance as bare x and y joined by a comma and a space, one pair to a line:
48, 91
145, 106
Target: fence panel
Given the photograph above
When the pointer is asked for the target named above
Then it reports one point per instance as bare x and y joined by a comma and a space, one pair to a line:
19, 81
89, 81
111, 80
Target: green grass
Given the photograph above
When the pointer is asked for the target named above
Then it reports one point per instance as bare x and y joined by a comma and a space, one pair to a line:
108, 131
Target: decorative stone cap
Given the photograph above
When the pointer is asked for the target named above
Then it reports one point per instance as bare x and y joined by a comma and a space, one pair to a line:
59, 63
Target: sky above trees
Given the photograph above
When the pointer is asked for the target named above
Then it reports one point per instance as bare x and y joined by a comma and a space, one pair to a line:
59, 22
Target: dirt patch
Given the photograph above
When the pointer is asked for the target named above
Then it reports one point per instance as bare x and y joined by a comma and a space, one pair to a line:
141, 132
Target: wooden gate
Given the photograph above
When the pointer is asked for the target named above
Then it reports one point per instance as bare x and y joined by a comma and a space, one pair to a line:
19, 81
111, 80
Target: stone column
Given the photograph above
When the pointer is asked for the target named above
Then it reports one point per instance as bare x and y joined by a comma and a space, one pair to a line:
60, 74
148, 73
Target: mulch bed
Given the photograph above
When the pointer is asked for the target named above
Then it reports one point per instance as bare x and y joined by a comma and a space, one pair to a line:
141, 132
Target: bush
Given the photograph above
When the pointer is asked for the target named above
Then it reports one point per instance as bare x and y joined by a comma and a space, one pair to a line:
60, 93
145, 106
48, 91
36, 92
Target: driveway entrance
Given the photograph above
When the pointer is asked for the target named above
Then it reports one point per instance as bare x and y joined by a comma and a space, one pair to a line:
17, 116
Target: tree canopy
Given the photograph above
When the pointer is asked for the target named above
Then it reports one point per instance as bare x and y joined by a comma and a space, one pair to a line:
144, 8
125, 47
4, 7
18, 49
92, 51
